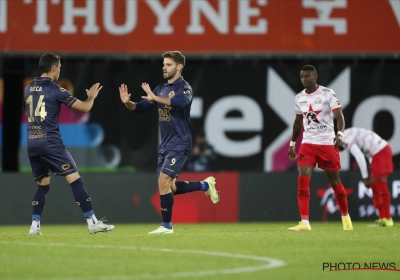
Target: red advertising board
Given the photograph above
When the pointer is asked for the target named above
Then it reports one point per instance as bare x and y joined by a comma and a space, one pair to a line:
196, 207
201, 26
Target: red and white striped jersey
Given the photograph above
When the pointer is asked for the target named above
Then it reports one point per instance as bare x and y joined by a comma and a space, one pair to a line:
368, 141
317, 110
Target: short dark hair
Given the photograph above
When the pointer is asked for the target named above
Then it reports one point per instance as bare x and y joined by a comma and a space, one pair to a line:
309, 68
47, 61
176, 56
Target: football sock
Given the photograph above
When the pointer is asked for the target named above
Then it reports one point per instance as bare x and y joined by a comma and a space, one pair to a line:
81, 195
39, 200
204, 186
186, 186
167, 202
305, 222
341, 198
376, 198
303, 196
90, 218
35, 224
384, 197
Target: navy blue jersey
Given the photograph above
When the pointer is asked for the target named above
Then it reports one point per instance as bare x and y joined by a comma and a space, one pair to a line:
43, 99
174, 122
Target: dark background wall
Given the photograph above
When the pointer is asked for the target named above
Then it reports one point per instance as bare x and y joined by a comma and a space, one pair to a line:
366, 87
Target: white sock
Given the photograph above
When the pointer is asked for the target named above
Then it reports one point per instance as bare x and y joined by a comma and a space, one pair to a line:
305, 222
92, 220
347, 216
35, 224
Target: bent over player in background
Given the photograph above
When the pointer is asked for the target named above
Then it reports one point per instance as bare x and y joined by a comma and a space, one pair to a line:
315, 107
366, 143
46, 150
174, 100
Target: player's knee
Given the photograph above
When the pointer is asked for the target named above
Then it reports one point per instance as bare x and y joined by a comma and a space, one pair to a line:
72, 177
162, 185
334, 182
44, 181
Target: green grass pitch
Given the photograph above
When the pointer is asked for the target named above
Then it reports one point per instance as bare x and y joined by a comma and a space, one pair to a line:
202, 251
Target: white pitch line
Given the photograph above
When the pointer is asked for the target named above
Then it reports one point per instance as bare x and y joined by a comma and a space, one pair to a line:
270, 262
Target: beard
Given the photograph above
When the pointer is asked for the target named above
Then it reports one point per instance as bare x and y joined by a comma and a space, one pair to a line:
171, 74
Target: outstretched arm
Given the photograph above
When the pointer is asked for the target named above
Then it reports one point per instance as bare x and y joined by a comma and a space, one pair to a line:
297, 126
85, 106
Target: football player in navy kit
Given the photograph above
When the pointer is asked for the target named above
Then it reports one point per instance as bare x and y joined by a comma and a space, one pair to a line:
173, 100
46, 150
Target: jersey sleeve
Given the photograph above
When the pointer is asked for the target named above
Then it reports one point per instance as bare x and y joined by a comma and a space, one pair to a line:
334, 101
297, 109
360, 158
65, 97
182, 98
185, 92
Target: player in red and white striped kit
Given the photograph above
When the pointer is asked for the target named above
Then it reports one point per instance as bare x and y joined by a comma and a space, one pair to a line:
315, 108
363, 143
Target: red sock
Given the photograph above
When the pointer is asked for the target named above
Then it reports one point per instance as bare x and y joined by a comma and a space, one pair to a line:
384, 197
375, 195
341, 198
377, 199
303, 196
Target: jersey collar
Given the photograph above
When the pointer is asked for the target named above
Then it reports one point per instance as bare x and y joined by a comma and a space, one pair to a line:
41, 79
180, 79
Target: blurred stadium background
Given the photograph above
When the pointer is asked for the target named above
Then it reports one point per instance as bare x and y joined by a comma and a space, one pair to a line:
243, 62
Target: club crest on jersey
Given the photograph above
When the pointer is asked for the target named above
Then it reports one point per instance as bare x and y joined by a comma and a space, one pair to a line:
318, 100
171, 94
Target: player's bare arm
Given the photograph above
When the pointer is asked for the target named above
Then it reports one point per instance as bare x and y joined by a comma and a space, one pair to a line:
126, 97
297, 126
152, 97
86, 106
340, 126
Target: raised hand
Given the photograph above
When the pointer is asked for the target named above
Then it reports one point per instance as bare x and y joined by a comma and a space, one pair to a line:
123, 93
94, 90
150, 95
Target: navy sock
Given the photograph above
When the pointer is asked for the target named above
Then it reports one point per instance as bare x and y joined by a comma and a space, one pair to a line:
167, 202
185, 186
81, 196
204, 186
39, 200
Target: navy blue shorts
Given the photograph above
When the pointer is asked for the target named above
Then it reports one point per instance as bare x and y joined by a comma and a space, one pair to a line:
171, 163
61, 164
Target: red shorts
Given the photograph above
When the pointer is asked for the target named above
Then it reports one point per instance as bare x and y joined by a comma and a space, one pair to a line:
382, 163
327, 156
